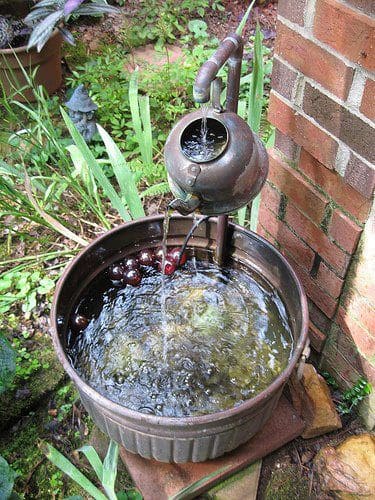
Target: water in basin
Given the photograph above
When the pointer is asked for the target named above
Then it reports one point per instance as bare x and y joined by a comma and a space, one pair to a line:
221, 337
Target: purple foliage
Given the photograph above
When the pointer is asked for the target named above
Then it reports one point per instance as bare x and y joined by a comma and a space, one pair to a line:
71, 6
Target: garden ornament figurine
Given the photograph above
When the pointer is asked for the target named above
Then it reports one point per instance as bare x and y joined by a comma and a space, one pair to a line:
82, 112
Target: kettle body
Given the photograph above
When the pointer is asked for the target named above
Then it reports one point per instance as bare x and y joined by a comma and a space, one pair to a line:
225, 181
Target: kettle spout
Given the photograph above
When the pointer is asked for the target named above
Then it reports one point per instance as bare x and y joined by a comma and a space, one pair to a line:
185, 207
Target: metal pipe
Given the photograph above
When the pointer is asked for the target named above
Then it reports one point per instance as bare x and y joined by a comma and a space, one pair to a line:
231, 50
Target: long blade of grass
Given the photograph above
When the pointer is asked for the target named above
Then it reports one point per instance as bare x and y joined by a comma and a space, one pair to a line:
110, 470
242, 215
123, 174
241, 26
55, 224
71, 470
254, 213
192, 488
144, 108
255, 102
95, 462
97, 171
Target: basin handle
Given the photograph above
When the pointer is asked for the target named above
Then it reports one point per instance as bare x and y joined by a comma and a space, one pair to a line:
305, 354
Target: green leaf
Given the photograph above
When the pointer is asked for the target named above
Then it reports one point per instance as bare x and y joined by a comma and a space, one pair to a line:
123, 175
97, 171
242, 215
95, 462
133, 495
110, 470
254, 213
71, 470
7, 477
241, 26
7, 364
192, 488
255, 99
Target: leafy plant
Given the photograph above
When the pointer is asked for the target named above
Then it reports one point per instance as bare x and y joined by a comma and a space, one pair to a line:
23, 286
47, 15
353, 396
7, 477
106, 472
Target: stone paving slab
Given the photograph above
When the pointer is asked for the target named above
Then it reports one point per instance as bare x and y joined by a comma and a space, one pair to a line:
240, 486
161, 481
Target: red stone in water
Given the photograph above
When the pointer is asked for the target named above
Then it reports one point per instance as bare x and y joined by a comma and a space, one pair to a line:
174, 256
116, 272
79, 322
132, 277
131, 263
146, 257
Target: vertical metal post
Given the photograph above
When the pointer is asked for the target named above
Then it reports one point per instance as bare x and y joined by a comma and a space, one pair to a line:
233, 89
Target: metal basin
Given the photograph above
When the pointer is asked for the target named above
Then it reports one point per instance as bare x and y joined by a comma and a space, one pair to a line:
185, 439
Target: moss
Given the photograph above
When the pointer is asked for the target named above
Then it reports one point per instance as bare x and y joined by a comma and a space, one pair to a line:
75, 55
40, 383
38, 478
287, 483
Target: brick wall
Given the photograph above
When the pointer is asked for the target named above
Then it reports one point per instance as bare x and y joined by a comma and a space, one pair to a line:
318, 196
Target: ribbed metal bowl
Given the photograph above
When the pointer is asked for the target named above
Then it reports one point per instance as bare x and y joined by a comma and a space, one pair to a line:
188, 439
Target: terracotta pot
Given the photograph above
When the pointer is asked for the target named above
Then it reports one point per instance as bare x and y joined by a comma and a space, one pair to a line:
194, 438
48, 61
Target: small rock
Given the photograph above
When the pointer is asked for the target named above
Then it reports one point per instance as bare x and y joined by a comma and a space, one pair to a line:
349, 469
312, 399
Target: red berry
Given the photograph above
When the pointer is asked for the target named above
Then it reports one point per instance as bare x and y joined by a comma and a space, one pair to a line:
116, 272
79, 322
159, 254
169, 267
131, 263
132, 277
146, 257
174, 256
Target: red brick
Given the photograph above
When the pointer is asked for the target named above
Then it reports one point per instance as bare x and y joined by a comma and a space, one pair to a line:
303, 194
313, 61
368, 100
317, 240
360, 175
345, 232
269, 221
266, 235
362, 339
317, 337
362, 311
333, 184
346, 346
296, 247
294, 11
270, 198
302, 131
319, 319
366, 6
320, 298
346, 30
328, 280
283, 78
287, 146
340, 121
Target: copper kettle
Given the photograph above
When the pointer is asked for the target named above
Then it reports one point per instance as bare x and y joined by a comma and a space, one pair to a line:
233, 173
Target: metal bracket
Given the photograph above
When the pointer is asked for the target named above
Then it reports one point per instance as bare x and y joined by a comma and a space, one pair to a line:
305, 354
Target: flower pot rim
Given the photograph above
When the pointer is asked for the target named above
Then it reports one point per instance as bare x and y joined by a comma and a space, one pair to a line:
23, 48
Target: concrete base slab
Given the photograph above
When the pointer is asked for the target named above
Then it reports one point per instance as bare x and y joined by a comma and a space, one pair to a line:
161, 481
240, 486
